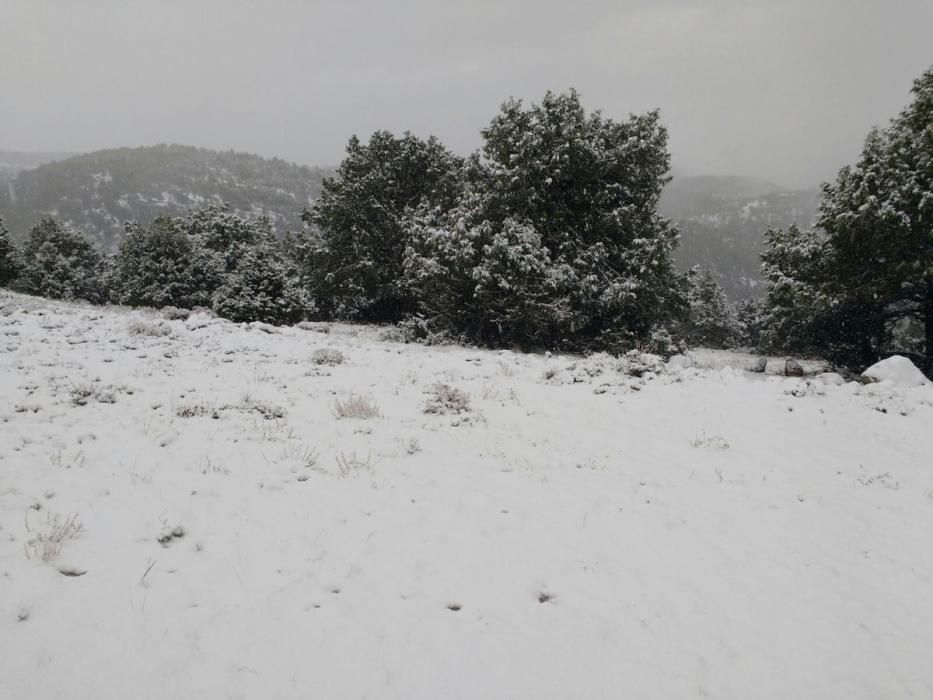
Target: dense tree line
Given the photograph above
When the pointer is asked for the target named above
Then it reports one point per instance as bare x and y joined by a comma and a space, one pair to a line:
548, 236
210, 258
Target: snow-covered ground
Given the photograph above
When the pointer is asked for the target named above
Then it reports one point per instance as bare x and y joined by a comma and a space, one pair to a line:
183, 514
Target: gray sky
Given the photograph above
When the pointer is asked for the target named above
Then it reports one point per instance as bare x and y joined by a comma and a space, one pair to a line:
781, 89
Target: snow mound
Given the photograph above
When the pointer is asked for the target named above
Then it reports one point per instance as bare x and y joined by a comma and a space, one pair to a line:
898, 370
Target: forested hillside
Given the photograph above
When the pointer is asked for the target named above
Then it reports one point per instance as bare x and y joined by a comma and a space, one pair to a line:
722, 221
14, 162
97, 192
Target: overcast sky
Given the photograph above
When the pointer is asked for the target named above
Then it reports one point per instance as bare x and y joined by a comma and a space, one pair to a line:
781, 89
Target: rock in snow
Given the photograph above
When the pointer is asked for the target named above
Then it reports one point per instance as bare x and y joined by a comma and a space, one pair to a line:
792, 368
898, 370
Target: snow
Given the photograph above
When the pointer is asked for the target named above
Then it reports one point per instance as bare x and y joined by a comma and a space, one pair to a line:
577, 532
898, 370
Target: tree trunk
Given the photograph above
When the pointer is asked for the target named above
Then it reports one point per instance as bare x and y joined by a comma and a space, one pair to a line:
928, 328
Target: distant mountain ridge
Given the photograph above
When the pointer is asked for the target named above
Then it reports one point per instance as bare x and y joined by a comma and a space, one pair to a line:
13, 162
97, 192
722, 222
23, 160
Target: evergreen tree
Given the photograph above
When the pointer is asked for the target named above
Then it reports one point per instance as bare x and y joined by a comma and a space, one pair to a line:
354, 256
264, 286
164, 265
59, 263
555, 238
486, 282
751, 318
210, 257
842, 289
8, 261
794, 305
712, 320
215, 228
878, 221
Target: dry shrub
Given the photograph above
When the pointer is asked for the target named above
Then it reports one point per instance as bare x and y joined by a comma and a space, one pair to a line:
154, 330
47, 543
348, 465
356, 406
327, 356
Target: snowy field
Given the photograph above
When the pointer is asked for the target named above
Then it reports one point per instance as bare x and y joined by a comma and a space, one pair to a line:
185, 513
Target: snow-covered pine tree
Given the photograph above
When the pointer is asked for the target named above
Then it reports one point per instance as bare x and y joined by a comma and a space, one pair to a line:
486, 282
794, 307
215, 228
878, 221
8, 257
751, 318
163, 265
264, 286
556, 239
711, 320
355, 250
60, 263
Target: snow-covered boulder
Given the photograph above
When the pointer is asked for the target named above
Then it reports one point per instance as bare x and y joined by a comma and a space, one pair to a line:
898, 370
831, 378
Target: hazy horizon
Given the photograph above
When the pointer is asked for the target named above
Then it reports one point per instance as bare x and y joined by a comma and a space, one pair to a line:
780, 91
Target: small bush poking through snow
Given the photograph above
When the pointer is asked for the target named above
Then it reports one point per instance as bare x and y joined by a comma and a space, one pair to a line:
506, 369
170, 533
80, 393
327, 356
173, 313
105, 396
154, 330
267, 410
394, 334
356, 406
300, 453
196, 410
47, 544
638, 364
444, 399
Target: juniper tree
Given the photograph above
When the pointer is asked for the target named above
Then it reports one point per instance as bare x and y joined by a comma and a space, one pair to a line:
163, 265
8, 261
59, 263
354, 254
711, 320
264, 286
555, 238
878, 220
794, 304
841, 288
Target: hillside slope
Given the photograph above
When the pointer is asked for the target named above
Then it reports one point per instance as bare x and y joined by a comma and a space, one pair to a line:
97, 192
722, 221
14, 162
